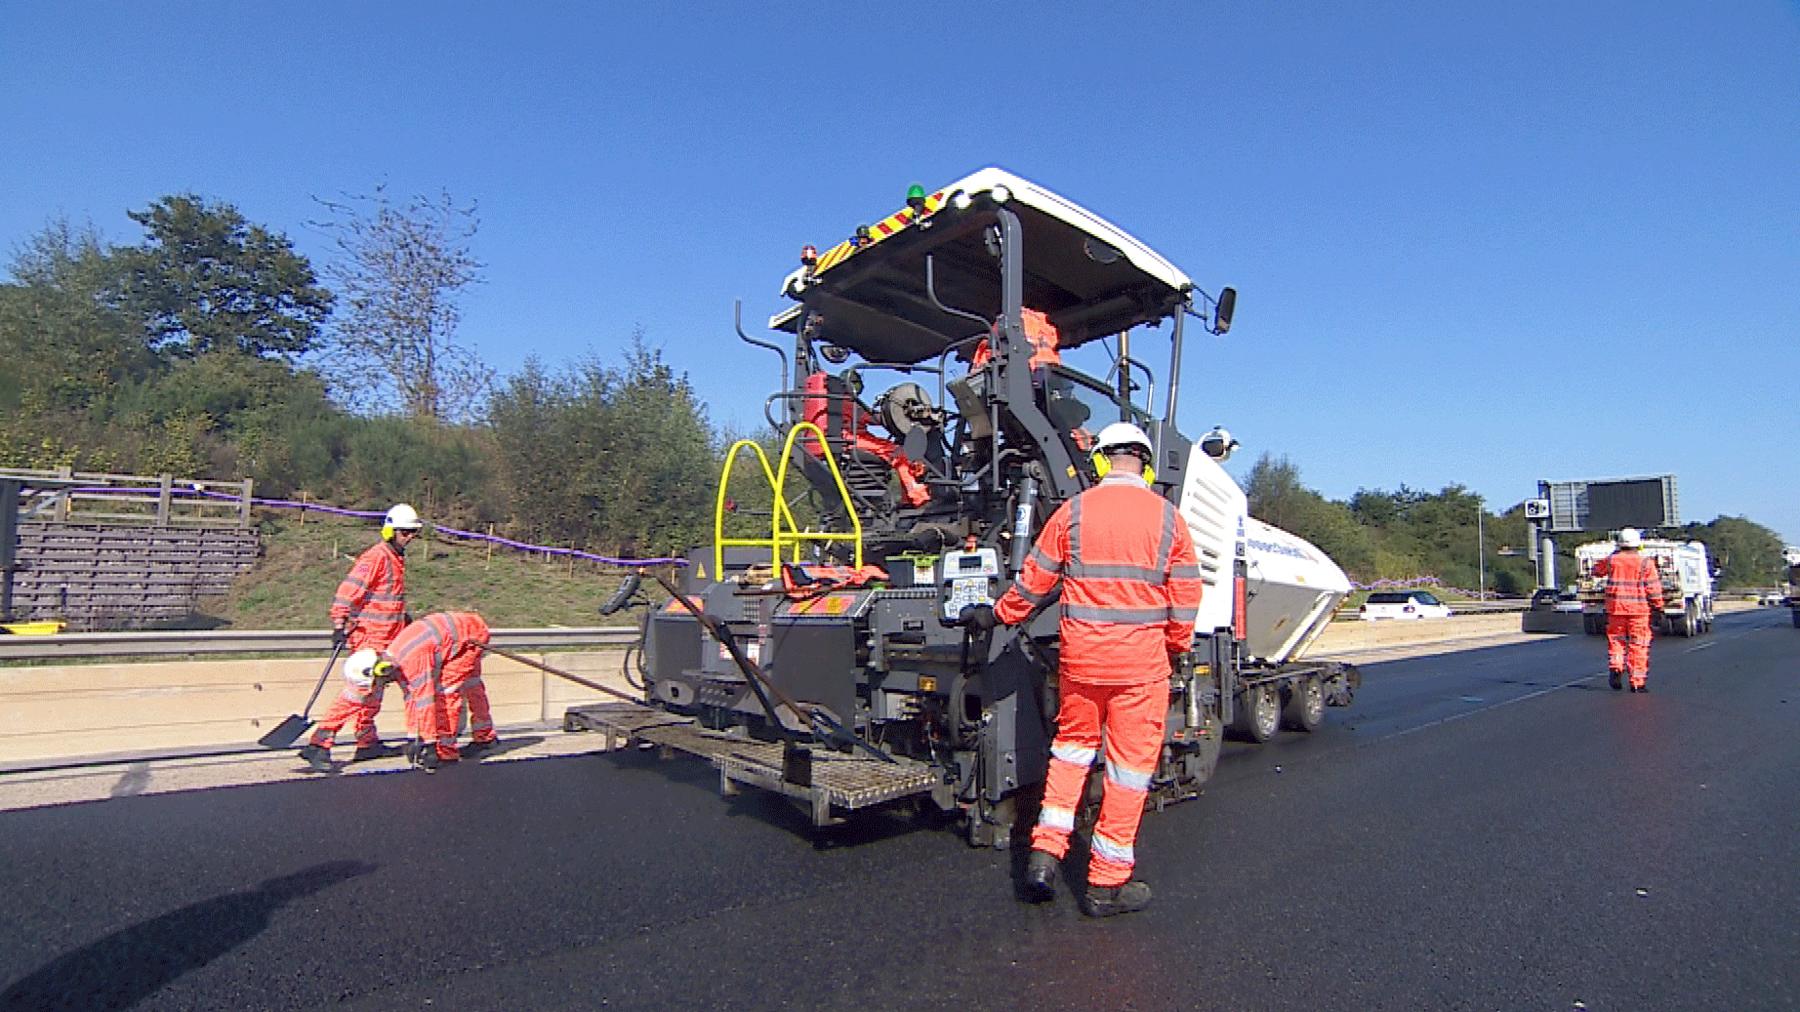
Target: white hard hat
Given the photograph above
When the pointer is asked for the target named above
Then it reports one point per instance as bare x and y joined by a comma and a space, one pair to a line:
402, 518
1630, 538
359, 668
1120, 435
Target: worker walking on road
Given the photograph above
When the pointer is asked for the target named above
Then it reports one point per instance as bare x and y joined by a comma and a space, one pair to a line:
1130, 594
367, 612
1633, 593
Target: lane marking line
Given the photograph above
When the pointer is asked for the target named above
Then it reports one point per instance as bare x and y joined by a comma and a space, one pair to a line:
1492, 706
1701, 646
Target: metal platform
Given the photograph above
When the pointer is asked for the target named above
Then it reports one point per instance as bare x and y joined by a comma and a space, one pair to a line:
821, 778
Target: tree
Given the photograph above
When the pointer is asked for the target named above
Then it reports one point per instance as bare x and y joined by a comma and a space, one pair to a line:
401, 270
63, 339
204, 279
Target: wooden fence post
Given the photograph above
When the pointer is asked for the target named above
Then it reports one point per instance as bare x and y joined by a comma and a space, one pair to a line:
163, 497
244, 506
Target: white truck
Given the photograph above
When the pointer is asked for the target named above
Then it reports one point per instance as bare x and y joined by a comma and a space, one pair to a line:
1687, 585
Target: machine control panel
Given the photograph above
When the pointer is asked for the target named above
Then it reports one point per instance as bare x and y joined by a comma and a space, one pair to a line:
971, 576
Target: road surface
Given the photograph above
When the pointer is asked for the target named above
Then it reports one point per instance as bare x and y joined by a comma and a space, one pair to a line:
1492, 829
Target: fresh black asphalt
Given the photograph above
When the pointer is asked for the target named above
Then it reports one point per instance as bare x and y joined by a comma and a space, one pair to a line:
1492, 829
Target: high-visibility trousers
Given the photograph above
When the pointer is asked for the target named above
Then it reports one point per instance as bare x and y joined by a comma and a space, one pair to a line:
1132, 718
1628, 645
461, 689
356, 708
426, 717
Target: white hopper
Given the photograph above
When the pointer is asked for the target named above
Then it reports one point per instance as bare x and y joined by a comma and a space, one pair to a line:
1292, 589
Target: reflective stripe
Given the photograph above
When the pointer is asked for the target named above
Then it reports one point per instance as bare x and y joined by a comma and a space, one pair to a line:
1184, 572
1115, 616
1167, 542
1057, 818
1185, 615
1126, 778
1112, 850
1044, 561
1075, 531
1030, 598
467, 684
1098, 571
1072, 753
353, 581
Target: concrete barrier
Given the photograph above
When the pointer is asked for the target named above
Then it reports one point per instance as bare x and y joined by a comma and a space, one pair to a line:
53, 712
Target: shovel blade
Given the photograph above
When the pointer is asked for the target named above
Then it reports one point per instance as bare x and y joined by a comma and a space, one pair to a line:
285, 733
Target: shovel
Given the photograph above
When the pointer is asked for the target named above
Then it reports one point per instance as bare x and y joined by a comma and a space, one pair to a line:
289, 731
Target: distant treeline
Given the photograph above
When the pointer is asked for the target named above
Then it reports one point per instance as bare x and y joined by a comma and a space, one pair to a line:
1378, 535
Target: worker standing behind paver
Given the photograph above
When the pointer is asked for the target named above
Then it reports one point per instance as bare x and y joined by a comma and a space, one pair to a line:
1633, 593
367, 612
1130, 594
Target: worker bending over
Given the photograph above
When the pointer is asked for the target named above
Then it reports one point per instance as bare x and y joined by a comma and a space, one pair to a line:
366, 614
1633, 593
1130, 594
433, 658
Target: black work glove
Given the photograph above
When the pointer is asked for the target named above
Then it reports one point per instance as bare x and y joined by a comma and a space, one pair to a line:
406, 618
978, 617
339, 636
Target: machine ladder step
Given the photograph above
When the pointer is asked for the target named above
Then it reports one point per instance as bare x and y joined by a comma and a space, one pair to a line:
817, 776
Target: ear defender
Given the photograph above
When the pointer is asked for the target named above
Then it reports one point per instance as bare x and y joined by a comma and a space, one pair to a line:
387, 532
1102, 465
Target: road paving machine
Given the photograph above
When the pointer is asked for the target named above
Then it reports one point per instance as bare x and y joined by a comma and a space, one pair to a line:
823, 654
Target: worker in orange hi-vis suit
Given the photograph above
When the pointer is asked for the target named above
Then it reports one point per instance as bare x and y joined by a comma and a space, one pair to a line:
366, 613
1039, 331
425, 656
1633, 593
1130, 594
461, 678
850, 423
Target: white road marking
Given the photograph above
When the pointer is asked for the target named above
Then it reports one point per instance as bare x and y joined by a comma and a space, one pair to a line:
1701, 646
1493, 706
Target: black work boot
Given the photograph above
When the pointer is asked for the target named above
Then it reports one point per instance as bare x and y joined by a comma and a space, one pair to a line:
428, 758
1612, 679
1125, 899
317, 757
375, 751
1040, 877
477, 749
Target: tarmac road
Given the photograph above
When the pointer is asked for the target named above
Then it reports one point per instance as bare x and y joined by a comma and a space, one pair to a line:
1492, 829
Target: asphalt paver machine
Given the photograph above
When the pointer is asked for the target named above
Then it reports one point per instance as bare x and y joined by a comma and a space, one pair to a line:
822, 654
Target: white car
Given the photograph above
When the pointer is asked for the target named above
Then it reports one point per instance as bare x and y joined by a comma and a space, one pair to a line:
1386, 604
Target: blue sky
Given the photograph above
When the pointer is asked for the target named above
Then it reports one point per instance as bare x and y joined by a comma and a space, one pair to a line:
1477, 243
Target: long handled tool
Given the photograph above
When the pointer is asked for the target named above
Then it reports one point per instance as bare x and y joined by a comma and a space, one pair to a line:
560, 673
289, 731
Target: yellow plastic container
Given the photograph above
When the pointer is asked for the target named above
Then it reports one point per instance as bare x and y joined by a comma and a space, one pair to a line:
47, 628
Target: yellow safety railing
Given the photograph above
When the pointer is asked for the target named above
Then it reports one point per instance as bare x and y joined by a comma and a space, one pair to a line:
784, 531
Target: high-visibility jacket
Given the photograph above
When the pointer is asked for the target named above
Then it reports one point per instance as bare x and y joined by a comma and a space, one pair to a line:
1130, 583
371, 600
1038, 330
445, 642
1633, 584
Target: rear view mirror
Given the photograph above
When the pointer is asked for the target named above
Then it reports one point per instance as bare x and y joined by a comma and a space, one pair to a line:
1223, 309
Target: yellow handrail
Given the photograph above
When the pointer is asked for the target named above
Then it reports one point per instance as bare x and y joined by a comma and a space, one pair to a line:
784, 530
773, 541
794, 534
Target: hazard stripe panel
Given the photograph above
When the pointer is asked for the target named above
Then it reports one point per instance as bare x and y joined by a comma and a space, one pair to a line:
887, 227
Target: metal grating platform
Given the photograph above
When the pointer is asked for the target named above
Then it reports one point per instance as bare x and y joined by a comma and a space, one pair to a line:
834, 779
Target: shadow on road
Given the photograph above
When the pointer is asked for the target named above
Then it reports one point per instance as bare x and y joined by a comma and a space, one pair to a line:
131, 964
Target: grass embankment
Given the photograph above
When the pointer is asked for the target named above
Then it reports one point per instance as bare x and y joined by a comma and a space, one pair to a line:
291, 587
